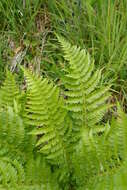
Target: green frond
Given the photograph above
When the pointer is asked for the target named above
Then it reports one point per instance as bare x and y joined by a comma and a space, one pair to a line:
11, 172
110, 152
12, 130
118, 135
35, 174
116, 179
85, 99
44, 110
9, 91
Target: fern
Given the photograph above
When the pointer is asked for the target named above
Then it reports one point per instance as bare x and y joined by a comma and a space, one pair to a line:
37, 139
16, 176
113, 180
48, 113
12, 128
104, 157
44, 110
20, 167
85, 100
9, 91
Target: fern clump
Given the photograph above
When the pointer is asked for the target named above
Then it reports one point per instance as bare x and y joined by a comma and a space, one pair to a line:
53, 138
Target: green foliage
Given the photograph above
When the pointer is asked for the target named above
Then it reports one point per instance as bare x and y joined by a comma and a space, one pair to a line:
20, 166
32, 24
18, 17
99, 26
101, 162
44, 111
85, 98
114, 152
106, 37
9, 91
52, 137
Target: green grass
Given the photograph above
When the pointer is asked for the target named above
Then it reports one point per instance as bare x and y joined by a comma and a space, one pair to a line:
100, 27
24, 24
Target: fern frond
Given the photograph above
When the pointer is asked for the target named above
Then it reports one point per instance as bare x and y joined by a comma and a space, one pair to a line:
110, 153
11, 172
44, 110
118, 135
9, 90
15, 176
113, 180
12, 130
85, 100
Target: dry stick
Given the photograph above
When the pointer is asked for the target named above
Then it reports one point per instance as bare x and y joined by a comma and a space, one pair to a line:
17, 59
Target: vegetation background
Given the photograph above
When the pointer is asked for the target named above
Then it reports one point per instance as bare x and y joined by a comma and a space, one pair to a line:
28, 37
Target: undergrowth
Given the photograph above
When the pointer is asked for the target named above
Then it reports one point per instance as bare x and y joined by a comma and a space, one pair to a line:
53, 137
61, 124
